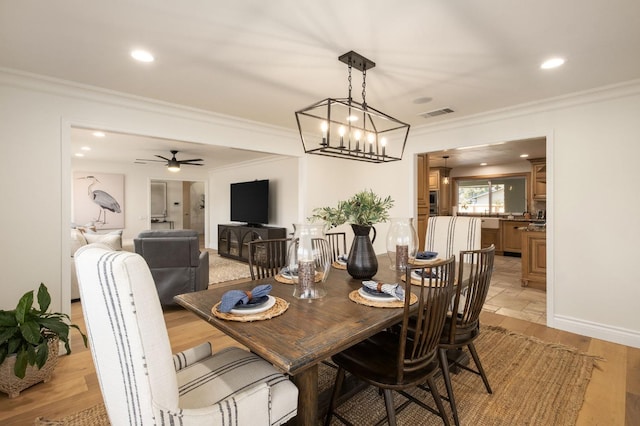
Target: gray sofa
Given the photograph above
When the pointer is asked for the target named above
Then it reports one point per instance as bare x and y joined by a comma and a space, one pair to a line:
175, 261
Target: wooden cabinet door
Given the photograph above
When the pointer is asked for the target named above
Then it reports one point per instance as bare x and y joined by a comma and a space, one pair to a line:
422, 186
511, 238
434, 180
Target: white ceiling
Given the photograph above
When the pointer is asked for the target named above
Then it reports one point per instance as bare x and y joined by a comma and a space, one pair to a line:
262, 60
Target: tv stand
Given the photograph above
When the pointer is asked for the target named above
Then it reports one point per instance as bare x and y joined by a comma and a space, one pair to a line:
233, 240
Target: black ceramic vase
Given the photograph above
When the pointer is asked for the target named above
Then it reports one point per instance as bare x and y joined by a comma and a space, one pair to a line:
362, 262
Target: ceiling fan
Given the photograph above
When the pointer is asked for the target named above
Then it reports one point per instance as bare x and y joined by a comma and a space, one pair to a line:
174, 164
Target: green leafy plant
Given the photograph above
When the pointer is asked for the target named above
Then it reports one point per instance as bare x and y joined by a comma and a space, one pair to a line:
25, 331
363, 208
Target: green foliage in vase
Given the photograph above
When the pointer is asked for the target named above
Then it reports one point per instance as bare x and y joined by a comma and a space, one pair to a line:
364, 208
26, 331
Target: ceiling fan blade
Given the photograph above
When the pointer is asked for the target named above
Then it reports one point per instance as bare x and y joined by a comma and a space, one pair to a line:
147, 159
191, 164
164, 158
189, 161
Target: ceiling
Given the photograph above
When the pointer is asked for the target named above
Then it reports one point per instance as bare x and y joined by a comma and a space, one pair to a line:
263, 60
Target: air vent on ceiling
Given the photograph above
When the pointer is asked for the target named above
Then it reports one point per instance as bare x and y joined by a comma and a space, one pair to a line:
436, 112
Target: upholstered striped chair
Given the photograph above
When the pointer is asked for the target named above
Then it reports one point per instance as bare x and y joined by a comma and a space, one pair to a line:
449, 235
141, 382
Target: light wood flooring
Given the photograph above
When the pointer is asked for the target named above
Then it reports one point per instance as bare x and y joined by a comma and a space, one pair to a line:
612, 398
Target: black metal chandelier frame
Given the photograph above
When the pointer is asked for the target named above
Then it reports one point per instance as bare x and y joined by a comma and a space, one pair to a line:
362, 141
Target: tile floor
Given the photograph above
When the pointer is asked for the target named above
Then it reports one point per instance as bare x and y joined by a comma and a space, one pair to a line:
507, 297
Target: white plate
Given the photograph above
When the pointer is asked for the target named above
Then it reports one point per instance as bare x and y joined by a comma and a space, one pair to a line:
257, 309
375, 298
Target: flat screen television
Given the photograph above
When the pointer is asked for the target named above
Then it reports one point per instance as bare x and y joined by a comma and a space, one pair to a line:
250, 202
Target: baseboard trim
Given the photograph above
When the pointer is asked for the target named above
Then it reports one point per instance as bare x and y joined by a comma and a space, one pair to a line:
619, 335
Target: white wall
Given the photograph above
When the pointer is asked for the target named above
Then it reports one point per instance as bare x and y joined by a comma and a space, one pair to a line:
591, 236
282, 173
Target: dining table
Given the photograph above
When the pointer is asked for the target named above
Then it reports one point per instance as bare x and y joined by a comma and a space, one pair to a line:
308, 332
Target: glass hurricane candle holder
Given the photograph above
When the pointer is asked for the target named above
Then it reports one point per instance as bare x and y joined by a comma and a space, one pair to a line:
402, 242
309, 261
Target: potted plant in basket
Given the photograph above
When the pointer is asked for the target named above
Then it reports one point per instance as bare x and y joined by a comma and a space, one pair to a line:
29, 342
361, 211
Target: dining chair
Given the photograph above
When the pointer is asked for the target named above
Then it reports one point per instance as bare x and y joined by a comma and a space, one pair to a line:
403, 357
141, 382
267, 257
338, 244
463, 322
449, 235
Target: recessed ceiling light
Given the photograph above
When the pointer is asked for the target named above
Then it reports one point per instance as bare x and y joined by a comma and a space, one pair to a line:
552, 63
85, 148
79, 154
524, 155
99, 134
142, 55
483, 164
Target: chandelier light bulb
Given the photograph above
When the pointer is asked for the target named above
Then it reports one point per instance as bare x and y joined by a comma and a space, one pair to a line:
383, 142
341, 132
324, 126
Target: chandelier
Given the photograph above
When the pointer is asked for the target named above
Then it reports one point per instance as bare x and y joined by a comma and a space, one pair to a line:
344, 128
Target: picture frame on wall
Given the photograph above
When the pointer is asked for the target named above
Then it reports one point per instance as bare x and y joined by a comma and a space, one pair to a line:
98, 200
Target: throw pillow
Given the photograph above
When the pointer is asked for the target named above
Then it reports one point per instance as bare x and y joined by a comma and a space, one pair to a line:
113, 239
77, 240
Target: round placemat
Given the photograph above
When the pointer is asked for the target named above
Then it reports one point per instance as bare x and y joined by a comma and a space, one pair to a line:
284, 280
278, 308
356, 297
339, 265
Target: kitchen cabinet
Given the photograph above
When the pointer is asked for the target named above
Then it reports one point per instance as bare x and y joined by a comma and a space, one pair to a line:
511, 238
436, 175
491, 236
539, 178
434, 179
534, 259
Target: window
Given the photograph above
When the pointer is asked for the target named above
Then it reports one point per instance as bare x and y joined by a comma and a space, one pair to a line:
492, 195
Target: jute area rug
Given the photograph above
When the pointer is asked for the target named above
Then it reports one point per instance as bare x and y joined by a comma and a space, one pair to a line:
534, 383
222, 269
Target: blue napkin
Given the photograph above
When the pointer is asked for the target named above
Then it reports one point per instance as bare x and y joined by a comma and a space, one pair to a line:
233, 297
426, 255
426, 273
395, 290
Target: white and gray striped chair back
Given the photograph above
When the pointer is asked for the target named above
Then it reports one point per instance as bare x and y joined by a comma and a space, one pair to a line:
128, 337
449, 235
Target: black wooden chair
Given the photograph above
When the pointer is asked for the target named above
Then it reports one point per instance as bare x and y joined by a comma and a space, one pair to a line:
463, 322
405, 356
267, 257
338, 244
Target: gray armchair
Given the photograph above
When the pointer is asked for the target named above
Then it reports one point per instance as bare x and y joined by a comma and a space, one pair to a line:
175, 261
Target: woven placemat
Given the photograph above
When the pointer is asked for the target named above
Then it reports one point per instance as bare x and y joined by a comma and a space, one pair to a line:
356, 297
278, 308
339, 265
284, 280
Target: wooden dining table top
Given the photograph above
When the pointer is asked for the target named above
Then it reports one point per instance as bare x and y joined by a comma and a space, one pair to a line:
309, 331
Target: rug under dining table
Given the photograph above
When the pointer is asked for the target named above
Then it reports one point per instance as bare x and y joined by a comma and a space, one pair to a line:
534, 383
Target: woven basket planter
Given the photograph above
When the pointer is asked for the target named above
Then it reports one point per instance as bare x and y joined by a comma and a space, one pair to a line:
12, 385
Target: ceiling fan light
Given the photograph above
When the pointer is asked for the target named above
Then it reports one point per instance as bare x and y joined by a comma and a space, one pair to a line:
173, 167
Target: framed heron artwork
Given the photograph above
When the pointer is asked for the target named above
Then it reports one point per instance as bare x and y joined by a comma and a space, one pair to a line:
98, 200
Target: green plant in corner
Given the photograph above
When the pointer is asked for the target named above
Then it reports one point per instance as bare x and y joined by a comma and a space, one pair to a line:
364, 208
25, 331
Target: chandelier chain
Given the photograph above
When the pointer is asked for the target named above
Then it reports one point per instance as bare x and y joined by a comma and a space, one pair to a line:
349, 82
364, 88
